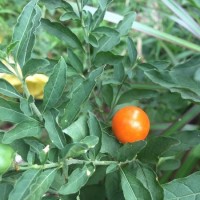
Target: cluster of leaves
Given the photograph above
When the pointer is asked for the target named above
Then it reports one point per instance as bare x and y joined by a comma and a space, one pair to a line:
65, 140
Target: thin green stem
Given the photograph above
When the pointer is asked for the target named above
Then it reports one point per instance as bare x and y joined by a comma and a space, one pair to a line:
35, 166
181, 121
86, 35
72, 161
27, 93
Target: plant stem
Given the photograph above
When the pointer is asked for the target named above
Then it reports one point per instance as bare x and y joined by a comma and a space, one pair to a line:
72, 161
35, 166
181, 121
27, 93
32, 104
86, 34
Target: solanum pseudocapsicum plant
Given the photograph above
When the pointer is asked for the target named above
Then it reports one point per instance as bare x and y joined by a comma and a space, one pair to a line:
65, 139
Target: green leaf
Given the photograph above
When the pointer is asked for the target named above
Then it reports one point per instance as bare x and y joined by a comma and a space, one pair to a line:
78, 130
103, 58
96, 192
149, 180
125, 25
75, 61
107, 43
5, 190
109, 144
33, 66
132, 52
11, 47
93, 40
76, 180
107, 93
25, 106
177, 81
187, 140
23, 184
95, 130
8, 90
69, 15
132, 187
41, 184
74, 150
79, 96
110, 32
55, 86
24, 32
156, 147
136, 94
54, 131
4, 69
113, 187
10, 111
97, 17
91, 141
118, 75
129, 151
183, 188
63, 33
26, 128
52, 4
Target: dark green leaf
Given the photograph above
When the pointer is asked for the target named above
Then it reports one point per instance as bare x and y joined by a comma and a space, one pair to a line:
129, 151
113, 188
132, 52
75, 61
149, 180
96, 192
5, 189
97, 18
26, 128
125, 25
78, 130
55, 86
156, 147
110, 32
76, 180
23, 184
74, 150
10, 111
91, 141
24, 32
107, 92
41, 184
132, 187
54, 131
95, 130
79, 96
136, 94
169, 163
4, 69
187, 139
8, 90
107, 43
93, 41
103, 58
25, 106
68, 16
52, 4
33, 66
109, 144
62, 32
10, 47
183, 188
177, 81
